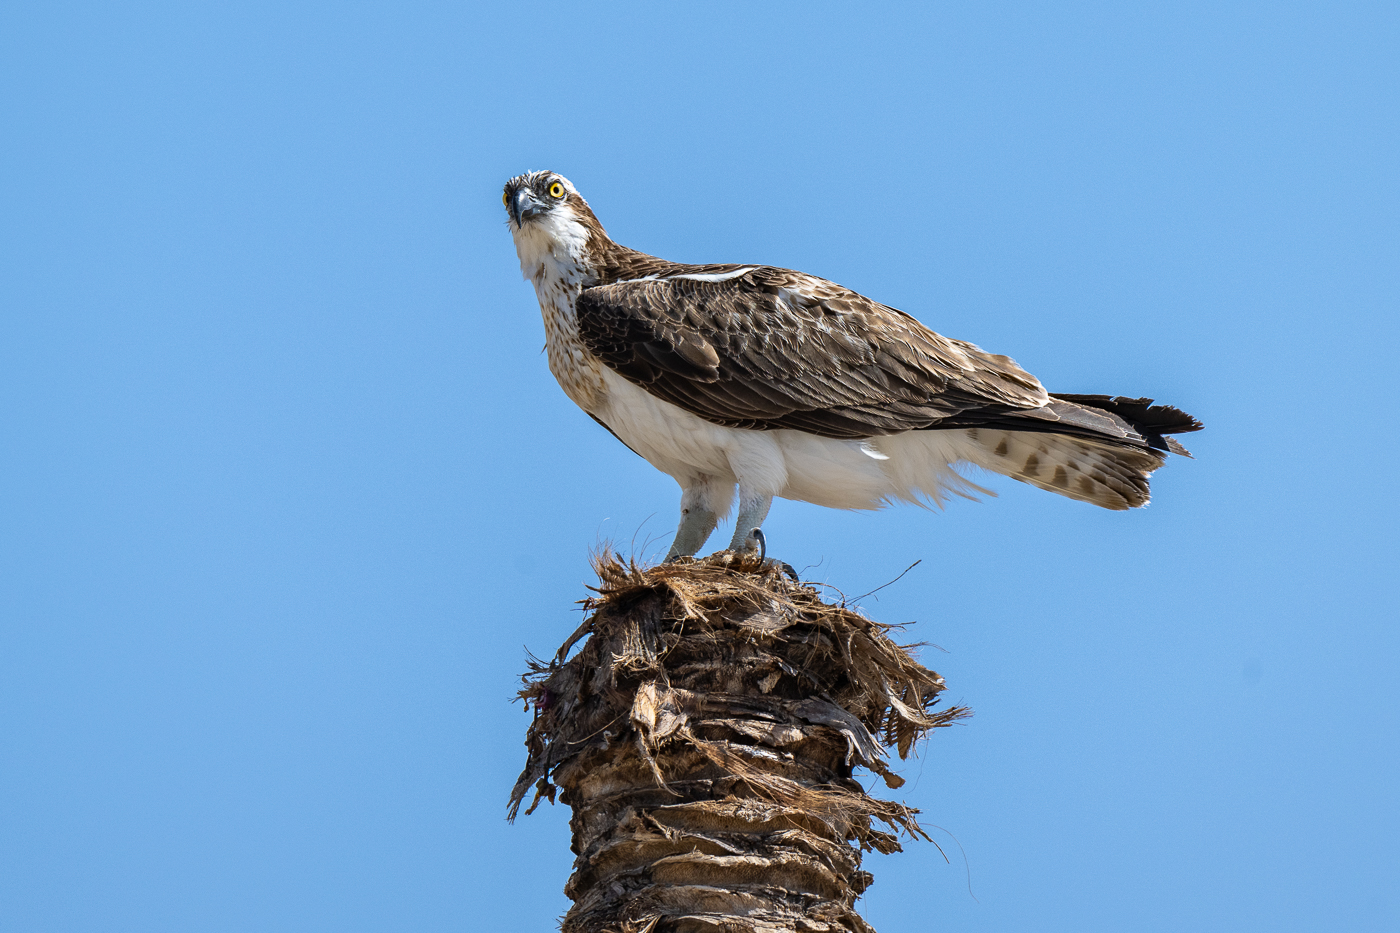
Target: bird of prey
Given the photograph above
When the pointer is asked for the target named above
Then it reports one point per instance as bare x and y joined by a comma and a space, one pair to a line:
784, 384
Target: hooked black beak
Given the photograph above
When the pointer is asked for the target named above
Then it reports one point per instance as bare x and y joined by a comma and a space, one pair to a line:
523, 206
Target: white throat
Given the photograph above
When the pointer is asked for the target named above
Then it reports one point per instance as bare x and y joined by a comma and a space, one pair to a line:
553, 251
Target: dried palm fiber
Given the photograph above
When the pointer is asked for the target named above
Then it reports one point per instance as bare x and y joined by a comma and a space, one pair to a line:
705, 737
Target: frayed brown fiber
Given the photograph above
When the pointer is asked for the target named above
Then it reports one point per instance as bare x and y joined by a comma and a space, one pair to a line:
705, 737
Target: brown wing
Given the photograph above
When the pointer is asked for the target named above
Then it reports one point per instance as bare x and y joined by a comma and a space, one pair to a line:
772, 348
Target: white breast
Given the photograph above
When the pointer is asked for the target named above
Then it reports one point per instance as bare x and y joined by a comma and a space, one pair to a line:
841, 474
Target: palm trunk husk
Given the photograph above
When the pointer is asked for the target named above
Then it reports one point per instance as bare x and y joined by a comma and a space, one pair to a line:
705, 737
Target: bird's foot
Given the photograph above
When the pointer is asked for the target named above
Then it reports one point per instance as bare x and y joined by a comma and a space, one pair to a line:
756, 542
784, 566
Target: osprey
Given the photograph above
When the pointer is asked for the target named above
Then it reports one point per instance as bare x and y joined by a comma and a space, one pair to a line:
784, 384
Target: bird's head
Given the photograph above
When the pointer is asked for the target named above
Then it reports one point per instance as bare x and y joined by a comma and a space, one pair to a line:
535, 196
548, 217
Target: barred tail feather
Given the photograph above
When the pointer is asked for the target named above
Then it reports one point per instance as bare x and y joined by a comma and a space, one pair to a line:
1113, 476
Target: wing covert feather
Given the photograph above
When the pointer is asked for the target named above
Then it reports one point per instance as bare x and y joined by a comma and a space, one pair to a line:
780, 349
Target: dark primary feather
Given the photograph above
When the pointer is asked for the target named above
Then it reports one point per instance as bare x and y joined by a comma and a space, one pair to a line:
1133, 422
780, 349
1153, 422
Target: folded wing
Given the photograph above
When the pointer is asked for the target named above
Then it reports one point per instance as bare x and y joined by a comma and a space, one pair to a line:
772, 348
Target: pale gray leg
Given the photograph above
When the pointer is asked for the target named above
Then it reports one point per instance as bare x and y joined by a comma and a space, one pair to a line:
698, 520
696, 524
752, 511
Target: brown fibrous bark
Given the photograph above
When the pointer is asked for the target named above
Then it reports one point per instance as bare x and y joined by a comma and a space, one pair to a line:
705, 737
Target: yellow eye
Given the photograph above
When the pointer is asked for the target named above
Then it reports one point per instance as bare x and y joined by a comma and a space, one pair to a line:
505, 199
556, 190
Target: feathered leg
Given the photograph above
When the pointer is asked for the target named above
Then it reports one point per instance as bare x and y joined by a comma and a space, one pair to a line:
698, 520
752, 511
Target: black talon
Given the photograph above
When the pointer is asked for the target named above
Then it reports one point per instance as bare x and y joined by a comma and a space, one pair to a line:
782, 565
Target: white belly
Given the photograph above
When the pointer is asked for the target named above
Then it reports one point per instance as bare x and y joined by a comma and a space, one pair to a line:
843, 474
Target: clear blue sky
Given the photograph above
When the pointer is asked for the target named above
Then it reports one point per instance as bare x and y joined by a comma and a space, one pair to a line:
288, 488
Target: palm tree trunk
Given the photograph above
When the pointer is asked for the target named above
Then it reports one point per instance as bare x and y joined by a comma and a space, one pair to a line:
705, 738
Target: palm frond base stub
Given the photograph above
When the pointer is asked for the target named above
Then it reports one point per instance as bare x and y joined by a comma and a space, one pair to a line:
705, 737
